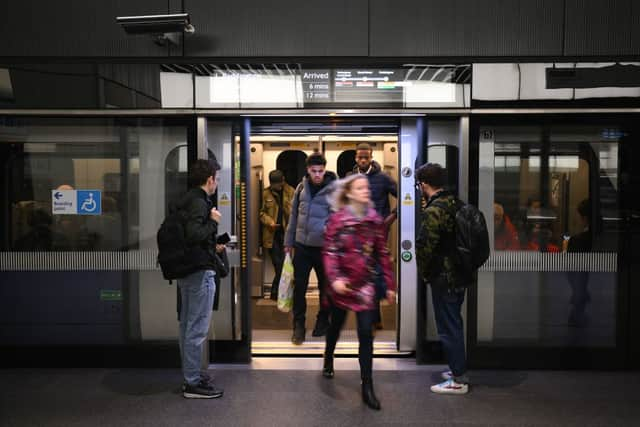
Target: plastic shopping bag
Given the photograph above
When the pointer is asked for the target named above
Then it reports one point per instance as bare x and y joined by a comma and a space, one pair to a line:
285, 287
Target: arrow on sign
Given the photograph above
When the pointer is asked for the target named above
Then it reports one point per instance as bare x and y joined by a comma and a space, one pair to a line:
57, 196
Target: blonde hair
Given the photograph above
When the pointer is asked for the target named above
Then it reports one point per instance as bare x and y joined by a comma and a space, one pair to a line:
343, 186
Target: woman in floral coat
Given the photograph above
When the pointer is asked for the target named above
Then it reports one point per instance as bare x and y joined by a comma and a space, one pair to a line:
355, 242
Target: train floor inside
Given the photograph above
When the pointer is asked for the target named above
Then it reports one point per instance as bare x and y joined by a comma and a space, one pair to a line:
272, 330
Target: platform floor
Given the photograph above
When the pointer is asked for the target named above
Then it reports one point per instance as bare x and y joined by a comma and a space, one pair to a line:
291, 392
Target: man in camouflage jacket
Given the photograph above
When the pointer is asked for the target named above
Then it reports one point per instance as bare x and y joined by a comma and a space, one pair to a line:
435, 251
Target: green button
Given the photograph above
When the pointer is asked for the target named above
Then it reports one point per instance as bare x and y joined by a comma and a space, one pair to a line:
110, 295
406, 256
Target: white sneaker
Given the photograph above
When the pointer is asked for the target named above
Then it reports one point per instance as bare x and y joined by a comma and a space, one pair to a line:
450, 387
446, 375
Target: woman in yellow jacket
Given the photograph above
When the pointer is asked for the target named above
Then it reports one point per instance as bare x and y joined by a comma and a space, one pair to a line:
274, 215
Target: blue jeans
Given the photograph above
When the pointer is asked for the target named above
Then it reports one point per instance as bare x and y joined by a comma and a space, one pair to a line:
197, 291
446, 308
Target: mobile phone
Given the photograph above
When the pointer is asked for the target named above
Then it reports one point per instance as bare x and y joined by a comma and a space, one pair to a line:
223, 239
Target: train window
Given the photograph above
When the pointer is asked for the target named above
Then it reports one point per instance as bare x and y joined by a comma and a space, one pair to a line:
553, 194
74, 156
292, 165
175, 174
346, 162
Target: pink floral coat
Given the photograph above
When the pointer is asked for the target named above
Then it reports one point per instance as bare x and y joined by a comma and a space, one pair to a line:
352, 248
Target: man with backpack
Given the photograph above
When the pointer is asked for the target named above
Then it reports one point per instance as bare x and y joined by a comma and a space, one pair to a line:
195, 250
438, 264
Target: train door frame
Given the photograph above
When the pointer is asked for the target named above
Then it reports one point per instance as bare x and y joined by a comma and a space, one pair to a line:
410, 133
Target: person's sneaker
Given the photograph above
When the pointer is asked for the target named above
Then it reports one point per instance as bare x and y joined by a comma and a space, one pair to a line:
321, 328
201, 391
205, 378
298, 336
446, 375
450, 387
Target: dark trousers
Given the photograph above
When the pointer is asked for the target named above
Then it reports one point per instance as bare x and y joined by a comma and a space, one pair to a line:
277, 259
446, 308
306, 258
365, 321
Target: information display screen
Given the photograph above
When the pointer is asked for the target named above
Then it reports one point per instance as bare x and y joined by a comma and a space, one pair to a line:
296, 87
367, 86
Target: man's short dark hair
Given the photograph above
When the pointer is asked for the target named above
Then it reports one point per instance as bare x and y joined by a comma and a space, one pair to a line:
316, 159
201, 170
276, 176
364, 146
432, 174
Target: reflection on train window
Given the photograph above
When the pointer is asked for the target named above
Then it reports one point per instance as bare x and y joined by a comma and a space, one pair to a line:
346, 162
554, 196
40, 168
100, 155
537, 195
292, 165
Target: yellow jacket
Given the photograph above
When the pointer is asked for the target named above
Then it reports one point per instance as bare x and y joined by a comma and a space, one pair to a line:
269, 212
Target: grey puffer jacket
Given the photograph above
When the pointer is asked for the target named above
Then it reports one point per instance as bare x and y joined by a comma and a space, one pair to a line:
309, 214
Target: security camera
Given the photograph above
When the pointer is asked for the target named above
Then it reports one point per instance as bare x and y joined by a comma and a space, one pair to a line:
156, 24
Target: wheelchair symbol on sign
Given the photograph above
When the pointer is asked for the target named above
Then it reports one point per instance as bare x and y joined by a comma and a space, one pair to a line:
89, 205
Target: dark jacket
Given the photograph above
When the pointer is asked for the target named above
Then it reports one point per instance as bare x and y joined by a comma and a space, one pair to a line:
435, 245
380, 186
200, 229
309, 214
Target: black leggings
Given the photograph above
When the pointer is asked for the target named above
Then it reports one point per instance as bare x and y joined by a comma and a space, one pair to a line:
365, 321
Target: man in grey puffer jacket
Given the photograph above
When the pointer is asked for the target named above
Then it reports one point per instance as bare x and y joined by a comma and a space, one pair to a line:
310, 211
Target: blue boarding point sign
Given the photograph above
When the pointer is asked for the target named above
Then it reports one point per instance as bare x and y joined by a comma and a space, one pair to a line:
89, 202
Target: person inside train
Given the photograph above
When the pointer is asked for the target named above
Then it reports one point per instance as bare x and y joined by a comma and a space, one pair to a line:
505, 233
381, 186
436, 266
538, 226
310, 211
274, 216
580, 242
354, 250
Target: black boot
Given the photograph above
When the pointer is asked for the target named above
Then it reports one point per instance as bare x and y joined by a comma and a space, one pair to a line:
298, 334
327, 368
368, 395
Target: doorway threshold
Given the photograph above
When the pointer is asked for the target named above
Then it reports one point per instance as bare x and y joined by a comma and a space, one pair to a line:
278, 343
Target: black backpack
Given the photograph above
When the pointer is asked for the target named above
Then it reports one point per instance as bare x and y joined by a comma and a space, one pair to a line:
173, 252
472, 239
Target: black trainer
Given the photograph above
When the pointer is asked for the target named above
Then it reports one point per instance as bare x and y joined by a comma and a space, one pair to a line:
202, 390
204, 377
298, 335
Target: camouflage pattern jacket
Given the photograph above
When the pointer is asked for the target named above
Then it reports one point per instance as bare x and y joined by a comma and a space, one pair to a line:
435, 244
